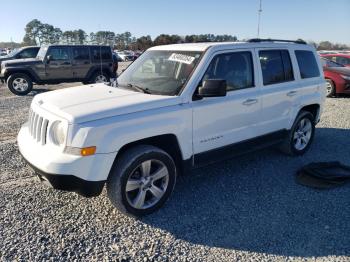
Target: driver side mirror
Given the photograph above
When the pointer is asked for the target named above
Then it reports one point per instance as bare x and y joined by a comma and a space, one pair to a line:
48, 59
212, 88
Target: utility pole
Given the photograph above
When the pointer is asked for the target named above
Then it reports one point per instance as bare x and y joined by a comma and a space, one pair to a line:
259, 15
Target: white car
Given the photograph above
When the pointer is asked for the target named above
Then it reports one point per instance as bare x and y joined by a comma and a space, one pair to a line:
175, 108
125, 55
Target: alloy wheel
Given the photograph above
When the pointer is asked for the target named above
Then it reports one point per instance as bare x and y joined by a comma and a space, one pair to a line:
329, 88
100, 79
147, 184
20, 84
302, 134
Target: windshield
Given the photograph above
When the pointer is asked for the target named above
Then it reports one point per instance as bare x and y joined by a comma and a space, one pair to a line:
160, 72
42, 52
329, 63
13, 52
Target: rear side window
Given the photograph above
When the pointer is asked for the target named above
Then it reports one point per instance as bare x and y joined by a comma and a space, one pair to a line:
101, 53
307, 64
276, 66
236, 68
81, 53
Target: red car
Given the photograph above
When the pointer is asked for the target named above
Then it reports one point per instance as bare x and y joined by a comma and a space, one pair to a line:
337, 77
343, 59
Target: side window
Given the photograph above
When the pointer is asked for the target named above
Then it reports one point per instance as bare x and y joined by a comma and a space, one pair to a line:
342, 60
101, 53
58, 53
333, 58
307, 64
287, 66
276, 66
236, 68
106, 53
81, 53
28, 53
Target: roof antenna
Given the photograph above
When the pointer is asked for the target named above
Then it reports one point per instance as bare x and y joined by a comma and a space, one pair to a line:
259, 15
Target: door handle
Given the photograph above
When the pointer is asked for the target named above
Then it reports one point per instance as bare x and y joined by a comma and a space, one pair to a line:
292, 93
249, 102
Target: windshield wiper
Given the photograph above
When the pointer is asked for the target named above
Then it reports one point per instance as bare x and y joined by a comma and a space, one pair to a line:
138, 88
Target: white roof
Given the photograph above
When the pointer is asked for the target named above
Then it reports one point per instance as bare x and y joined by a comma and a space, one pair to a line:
225, 45
192, 46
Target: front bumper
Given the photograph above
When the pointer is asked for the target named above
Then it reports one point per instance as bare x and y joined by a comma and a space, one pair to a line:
84, 175
2, 73
69, 182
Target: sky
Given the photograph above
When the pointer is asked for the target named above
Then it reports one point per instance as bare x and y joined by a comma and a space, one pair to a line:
316, 20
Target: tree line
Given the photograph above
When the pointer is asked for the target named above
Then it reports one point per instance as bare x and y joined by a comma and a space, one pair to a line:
326, 45
38, 33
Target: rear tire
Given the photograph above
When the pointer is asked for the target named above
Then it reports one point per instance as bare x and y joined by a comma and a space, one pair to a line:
300, 136
99, 77
141, 180
19, 84
330, 88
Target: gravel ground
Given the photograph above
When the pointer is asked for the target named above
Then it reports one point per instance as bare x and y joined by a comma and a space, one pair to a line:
245, 209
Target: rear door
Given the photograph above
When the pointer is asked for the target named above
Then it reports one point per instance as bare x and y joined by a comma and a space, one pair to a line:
102, 57
279, 90
60, 66
80, 61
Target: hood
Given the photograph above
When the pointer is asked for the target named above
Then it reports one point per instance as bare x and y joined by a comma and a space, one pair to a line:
21, 62
92, 102
5, 58
340, 70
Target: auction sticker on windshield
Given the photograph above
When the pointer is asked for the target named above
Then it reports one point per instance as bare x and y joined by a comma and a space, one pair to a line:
186, 59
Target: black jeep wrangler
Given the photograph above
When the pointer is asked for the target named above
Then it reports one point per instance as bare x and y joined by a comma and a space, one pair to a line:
58, 64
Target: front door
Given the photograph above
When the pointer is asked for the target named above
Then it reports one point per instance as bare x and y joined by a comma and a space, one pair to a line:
59, 67
222, 121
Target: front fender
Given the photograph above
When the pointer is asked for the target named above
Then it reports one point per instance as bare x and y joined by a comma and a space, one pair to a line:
109, 135
12, 70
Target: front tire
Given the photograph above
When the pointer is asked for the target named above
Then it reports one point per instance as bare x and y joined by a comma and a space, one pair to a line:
300, 136
142, 180
19, 84
330, 87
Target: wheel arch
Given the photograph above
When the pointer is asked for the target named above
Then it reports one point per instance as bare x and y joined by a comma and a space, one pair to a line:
167, 142
96, 69
314, 109
27, 72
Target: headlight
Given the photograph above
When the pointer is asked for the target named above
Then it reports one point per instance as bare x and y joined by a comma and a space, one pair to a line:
345, 77
58, 133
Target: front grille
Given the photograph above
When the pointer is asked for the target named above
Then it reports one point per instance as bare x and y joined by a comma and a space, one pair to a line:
38, 127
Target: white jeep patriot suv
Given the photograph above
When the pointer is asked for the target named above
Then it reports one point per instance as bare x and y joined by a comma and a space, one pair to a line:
176, 107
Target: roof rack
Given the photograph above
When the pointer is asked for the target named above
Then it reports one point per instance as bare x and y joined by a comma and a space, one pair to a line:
258, 40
